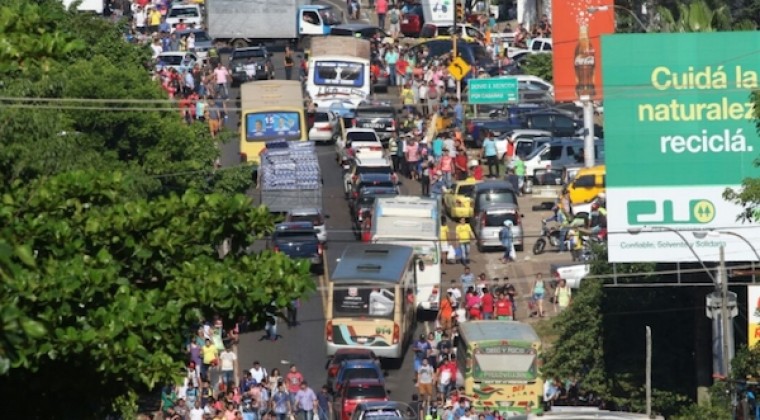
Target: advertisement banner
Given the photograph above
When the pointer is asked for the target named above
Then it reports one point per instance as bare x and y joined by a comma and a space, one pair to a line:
576, 29
753, 315
679, 129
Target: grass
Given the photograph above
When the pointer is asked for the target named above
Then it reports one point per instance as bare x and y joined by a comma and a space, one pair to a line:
546, 332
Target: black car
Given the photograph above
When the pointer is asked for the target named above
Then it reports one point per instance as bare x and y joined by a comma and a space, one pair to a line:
254, 60
365, 201
557, 123
381, 118
363, 30
298, 240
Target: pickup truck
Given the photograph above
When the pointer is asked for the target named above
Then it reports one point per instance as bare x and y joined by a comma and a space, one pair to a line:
571, 273
535, 46
380, 118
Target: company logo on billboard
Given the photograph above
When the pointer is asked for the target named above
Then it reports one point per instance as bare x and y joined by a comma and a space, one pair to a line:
665, 212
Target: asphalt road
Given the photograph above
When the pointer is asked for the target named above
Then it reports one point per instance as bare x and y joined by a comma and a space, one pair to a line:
304, 345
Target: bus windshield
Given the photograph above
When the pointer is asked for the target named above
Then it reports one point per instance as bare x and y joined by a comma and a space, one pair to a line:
339, 73
363, 301
262, 126
504, 364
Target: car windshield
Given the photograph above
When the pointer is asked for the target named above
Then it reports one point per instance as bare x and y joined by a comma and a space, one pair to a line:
255, 53
375, 112
361, 373
498, 219
465, 189
184, 12
374, 170
314, 219
361, 136
171, 60
351, 356
496, 197
365, 391
384, 183
387, 414
295, 235
321, 117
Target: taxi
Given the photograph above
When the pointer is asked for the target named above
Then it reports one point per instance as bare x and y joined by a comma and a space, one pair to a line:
456, 200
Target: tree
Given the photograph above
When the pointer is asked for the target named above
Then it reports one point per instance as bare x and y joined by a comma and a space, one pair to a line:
695, 16
116, 279
539, 65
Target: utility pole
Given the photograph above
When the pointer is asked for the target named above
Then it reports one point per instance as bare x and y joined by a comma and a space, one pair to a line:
724, 316
649, 372
455, 41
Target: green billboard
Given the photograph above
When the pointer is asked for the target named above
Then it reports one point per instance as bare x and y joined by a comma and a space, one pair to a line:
679, 123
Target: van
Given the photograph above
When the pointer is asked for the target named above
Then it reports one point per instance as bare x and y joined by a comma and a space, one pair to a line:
587, 185
560, 152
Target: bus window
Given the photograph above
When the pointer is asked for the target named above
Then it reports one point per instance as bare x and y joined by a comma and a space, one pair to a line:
363, 301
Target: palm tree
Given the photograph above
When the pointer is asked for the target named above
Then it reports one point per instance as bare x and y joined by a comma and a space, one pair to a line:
695, 16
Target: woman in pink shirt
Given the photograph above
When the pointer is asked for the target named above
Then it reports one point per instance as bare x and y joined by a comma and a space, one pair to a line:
412, 158
447, 166
473, 306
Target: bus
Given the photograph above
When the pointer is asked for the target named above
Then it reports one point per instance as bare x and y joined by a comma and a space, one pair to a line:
270, 110
368, 303
414, 222
498, 361
338, 78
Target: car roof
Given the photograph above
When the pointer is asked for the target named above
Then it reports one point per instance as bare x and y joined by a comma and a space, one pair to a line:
365, 381
487, 185
394, 405
372, 162
499, 207
349, 364
294, 226
360, 130
374, 177
379, 191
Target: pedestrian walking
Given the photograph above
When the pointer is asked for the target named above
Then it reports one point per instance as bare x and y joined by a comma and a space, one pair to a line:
539, 290
562, 296
506, 239
381, 8
289, 63
465, 235
306, 403
425, 381
325, 403
394, 18
490, 154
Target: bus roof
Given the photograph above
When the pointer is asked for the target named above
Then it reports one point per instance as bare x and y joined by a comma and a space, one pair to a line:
404, 228
271, 94
407, 206
373, 263
576, 413
473, 331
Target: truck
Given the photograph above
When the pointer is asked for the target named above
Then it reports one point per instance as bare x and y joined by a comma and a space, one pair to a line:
243, 23
573, 274
290, 176
415, 222
339, 71
270, 110
87, 6
535, 46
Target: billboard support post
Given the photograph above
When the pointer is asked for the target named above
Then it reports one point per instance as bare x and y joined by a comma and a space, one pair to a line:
588, 131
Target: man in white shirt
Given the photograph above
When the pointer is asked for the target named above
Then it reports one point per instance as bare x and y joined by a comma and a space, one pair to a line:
258, 373
197, 412
227, 361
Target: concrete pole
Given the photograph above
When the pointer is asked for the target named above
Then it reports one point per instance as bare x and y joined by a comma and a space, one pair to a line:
724, 314
649, 372
588, 126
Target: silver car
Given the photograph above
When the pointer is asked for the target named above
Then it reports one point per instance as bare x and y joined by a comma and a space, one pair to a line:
488, 223
312, 215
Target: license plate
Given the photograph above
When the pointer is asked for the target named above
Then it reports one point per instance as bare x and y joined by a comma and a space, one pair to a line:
405, 21
361, 340
375, 125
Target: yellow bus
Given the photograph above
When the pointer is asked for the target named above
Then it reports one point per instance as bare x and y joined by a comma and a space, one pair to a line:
498, 361
370, 302
270, 110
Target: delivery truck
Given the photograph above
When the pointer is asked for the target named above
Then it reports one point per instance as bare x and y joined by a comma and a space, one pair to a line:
339, 70
243, 23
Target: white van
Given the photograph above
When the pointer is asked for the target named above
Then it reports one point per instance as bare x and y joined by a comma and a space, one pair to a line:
338, 78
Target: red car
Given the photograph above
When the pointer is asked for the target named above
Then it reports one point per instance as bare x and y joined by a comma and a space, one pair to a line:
333, 364
355, 392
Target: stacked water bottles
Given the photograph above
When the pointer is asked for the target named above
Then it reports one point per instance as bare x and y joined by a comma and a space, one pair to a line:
288, 165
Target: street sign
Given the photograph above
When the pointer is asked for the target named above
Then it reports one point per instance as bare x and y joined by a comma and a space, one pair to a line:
495, 90
459, 68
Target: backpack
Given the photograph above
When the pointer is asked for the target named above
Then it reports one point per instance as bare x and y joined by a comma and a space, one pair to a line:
394, 17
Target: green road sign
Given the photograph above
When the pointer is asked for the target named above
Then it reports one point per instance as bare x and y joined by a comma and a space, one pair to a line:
495, 90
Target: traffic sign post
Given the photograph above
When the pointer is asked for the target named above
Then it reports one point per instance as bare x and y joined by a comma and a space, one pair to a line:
459, 68
495, 90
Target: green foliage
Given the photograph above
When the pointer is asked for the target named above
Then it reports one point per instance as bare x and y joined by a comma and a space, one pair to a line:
117, 280
539, 65
695, 16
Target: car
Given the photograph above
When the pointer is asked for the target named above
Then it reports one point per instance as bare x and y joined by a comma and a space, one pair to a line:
356, 391
523, 141
381, 118
363, 30
189, 14
489, 222
472, 52
457, 201
364, 203
467, 32
372, 180
361, 166
343, 108
492, 192
298, 240
355, 139
203, 42
313, 216
177, 60
356, 369
557, 123
343, 354
383, 410
325, 126
258, 57
560, 152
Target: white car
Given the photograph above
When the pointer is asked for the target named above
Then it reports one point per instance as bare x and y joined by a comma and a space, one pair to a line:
533, 83
361, 165
522, 147
325, 126
189, 14
357, 141
313, 216
177, 60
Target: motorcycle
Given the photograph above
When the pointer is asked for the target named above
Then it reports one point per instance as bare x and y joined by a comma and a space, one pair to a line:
550, 235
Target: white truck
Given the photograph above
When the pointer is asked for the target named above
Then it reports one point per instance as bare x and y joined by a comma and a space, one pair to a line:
88, 6
573, 274
242, 23
535, 46
414, 222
